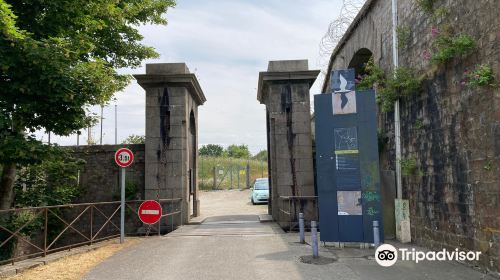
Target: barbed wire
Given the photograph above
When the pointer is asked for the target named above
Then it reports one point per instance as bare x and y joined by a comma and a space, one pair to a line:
336, 30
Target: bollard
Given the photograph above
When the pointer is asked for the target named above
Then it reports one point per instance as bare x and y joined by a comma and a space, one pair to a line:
301, 228
376, 236
314, 239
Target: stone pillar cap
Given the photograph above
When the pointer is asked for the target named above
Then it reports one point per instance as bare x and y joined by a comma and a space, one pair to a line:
285, 70
162, 74
167, 68
288, 65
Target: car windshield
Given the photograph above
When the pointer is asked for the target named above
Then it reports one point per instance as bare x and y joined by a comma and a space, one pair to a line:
261, 185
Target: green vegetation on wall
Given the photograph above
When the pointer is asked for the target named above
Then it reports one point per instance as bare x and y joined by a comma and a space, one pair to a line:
447, 47
398, 84
409, 167
135, 139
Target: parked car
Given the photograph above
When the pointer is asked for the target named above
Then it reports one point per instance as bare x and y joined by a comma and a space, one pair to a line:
260, 191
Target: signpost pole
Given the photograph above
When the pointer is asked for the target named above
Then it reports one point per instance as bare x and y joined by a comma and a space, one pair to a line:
123, 158
122, 207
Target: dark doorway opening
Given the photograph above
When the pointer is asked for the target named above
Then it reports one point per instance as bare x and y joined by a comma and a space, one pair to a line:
359, 61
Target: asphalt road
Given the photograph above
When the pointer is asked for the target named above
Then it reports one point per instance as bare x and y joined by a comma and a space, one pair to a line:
223, 247
231, 243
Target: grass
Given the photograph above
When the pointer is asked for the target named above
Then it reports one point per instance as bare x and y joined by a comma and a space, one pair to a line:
224, 167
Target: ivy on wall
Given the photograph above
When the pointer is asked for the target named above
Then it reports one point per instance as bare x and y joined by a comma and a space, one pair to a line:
404, 36
409, 167
398, 84
480, 76
446, 46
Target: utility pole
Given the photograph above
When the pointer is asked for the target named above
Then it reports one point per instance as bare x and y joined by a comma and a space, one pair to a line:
397, 116
116, 125
89, 136
100, 139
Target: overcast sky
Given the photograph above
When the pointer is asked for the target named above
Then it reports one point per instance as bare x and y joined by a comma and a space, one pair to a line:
226, 43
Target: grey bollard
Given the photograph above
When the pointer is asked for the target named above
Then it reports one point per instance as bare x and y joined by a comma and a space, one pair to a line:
301, 228
376, 234
314, 239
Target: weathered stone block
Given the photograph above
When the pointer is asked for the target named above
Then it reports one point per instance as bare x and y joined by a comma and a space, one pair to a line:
166, 68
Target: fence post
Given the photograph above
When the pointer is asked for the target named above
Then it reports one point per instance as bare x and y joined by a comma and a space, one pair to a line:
91, 222
231, 175
45, 233
215, 178
202, 175
247, 172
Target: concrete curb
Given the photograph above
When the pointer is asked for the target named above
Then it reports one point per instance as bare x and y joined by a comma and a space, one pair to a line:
265, 218
196, 221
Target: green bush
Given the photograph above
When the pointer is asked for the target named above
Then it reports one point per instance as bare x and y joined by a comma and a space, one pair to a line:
481, 76
52, 182
426, 5
409, 167
404, 36
374, 76
448, 47
402, 83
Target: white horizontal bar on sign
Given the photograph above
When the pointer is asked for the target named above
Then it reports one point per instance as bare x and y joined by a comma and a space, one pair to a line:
150, 212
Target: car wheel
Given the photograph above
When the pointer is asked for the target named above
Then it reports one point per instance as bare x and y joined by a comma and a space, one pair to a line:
253, 202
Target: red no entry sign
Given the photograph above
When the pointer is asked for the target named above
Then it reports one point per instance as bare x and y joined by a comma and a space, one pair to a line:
149, 212
124, 157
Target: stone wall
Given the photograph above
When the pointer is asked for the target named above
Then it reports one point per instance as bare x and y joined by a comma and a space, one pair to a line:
452, 131
99, 178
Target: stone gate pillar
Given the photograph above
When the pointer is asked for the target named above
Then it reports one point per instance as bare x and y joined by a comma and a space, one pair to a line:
284, 89
173, 95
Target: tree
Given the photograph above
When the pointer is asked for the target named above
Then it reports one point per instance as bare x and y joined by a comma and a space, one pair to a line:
262, 155
212, 150
238, 151
135, 139
58, 58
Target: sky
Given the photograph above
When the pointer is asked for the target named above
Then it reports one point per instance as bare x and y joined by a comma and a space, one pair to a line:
226, 43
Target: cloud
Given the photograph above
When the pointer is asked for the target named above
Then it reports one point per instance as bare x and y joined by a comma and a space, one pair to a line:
226, 43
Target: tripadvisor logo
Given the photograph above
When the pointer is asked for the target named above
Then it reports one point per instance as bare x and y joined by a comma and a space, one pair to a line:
387, 255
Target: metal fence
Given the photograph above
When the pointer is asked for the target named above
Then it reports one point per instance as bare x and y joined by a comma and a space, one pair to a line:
216, 173
38, 231
291, 206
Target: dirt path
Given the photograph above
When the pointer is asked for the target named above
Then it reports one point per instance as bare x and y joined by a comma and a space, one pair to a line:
75, 266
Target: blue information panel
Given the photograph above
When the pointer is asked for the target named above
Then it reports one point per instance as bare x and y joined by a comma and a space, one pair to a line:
347, 161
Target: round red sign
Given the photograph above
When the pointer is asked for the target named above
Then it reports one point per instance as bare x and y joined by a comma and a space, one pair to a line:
149, 212
124, 157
